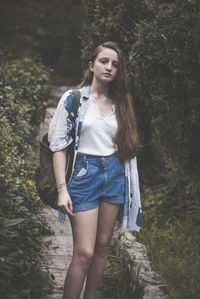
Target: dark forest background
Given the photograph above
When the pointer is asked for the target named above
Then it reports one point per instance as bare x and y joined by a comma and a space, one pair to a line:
50, 29
44, 43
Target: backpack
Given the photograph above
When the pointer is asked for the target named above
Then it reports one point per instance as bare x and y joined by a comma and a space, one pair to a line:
45, 178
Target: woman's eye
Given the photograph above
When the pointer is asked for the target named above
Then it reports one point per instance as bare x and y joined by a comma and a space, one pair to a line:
116, 65
104, 61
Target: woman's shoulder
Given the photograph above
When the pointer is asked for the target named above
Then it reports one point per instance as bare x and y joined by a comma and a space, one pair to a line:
66, 100
66, 95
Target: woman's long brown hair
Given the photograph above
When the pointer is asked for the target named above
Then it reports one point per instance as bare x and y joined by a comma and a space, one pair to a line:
126, 138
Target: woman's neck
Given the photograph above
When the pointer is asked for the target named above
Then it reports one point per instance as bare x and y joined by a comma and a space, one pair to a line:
99, 90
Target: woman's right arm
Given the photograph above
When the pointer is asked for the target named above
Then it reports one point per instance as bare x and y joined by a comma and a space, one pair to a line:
59, 164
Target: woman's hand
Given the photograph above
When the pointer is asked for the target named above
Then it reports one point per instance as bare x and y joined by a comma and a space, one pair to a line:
59, 165
64, 201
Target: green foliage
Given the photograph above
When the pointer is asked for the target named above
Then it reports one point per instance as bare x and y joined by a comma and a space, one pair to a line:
116, 21
161, 40
24, 88
48, 28
120, 279
172, 239
175, 253
165, 67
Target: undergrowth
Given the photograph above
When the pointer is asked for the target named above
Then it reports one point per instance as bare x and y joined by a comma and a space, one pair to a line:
174, 251
23, 89
173, 245
120, 279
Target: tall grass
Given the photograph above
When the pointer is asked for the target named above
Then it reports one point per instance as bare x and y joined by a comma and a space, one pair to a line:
174, 251
120, 279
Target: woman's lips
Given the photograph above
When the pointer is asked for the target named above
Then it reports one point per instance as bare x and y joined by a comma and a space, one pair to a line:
107, 74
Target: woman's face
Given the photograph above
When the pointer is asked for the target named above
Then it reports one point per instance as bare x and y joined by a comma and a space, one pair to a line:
105, 66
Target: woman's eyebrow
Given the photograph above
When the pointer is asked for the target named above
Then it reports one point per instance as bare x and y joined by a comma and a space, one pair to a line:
108, 58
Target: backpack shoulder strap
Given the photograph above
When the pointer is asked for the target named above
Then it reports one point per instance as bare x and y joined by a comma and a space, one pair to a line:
77, 96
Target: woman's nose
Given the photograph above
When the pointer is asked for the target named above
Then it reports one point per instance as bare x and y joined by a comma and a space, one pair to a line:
109, 66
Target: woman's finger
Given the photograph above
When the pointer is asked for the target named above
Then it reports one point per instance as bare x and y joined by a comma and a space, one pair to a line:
67, 210
71, 207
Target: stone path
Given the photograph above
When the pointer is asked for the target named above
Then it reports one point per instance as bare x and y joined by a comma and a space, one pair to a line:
58, 251
58, 247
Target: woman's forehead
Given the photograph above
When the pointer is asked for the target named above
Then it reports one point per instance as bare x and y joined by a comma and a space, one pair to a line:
108, 53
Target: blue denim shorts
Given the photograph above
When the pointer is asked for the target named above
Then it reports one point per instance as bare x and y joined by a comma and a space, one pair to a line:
96, 179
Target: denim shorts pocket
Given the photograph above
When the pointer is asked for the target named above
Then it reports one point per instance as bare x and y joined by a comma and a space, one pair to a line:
80, 169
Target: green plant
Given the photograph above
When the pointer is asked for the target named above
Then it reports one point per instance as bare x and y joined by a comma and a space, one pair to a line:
160, 40
24, 88
120, 279
174, 250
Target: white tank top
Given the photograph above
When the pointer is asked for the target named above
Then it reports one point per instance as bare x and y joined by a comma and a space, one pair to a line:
97, 132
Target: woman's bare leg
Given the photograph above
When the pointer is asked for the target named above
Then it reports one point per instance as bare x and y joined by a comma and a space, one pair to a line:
84, 228
106, 221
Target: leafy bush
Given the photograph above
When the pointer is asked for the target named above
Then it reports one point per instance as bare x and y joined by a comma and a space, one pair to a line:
48, 28
120, 279
23, 94
174, 251
164, 64
160, 40
114, 21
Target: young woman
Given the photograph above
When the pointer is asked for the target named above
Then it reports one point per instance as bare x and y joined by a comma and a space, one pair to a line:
104, 182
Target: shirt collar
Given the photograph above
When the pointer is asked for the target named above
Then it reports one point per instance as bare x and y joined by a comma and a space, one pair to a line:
85, 91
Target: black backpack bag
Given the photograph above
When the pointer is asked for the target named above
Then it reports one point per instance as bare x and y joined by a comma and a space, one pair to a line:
45, 178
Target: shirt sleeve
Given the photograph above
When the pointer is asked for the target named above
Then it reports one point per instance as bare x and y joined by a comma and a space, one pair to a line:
135, 213
63, 123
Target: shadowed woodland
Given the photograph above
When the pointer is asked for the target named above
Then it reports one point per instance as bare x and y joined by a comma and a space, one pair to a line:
45, 43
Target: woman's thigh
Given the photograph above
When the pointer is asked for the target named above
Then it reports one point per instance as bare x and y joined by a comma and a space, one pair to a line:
106, 221
84, 228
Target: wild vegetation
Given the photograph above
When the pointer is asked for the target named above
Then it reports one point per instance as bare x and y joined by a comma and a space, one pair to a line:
34, 34
23, 97
120, 279
49, 29
161, 44
160, 40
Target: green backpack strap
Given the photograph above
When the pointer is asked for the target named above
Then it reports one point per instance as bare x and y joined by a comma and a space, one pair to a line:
77, 96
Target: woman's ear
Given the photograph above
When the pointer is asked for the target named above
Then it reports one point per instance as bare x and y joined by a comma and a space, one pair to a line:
90, 66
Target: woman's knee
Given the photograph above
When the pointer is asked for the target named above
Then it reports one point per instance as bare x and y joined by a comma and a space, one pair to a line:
84, 257
102, 247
